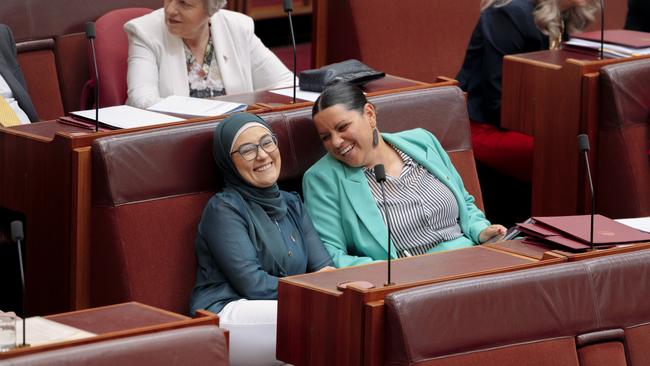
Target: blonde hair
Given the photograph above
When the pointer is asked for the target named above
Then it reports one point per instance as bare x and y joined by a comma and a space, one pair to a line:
548, 16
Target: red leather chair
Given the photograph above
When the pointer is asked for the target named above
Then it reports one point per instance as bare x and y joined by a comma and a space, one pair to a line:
623, 164
112, 49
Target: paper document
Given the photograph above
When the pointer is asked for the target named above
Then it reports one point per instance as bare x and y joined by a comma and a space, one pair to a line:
611, 50
198, 107
124, 116
43, 331
300, 94
639, 223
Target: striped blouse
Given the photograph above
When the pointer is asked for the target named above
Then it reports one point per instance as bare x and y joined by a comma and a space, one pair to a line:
422, 209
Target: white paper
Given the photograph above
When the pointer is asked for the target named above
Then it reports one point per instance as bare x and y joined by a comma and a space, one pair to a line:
198, 107
639, 223
609, 49
300, 94
124, 116
43, 331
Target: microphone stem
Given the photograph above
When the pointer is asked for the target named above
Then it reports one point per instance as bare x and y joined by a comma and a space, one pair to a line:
22, 280
293, 41
593, 201
602, 28
92, 45
383, 194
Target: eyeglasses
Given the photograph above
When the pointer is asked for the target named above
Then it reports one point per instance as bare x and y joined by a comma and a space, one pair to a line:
268, 143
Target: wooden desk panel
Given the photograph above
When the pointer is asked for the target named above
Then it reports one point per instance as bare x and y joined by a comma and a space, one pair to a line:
553, 96
45, 174
321, 325
117, 321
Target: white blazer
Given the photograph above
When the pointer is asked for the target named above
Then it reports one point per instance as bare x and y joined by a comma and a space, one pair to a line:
157, 67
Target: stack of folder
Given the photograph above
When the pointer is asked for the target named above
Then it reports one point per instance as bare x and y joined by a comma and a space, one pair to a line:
573, 232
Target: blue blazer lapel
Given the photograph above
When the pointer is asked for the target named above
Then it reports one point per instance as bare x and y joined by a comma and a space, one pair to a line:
358, 193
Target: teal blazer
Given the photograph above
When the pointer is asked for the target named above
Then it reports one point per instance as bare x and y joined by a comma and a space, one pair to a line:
346, 216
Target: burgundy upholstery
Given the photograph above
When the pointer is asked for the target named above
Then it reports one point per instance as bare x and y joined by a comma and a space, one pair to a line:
623, 175
200, 345
112, 49
37, 61
149, 189
493, 317
508, 152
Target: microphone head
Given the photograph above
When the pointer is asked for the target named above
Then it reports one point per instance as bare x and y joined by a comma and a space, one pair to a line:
583, 142
288, 5
90, 30
17, 230
380, 173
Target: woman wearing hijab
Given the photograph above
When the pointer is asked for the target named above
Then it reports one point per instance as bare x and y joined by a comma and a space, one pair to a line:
251, 234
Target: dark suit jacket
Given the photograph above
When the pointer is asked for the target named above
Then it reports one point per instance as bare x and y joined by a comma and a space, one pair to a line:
638, 15
10, 71
500, 31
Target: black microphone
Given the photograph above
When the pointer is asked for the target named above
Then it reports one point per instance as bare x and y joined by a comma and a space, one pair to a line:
90, 34
288, 8
18, 236
583, 146
380, 175
602, 35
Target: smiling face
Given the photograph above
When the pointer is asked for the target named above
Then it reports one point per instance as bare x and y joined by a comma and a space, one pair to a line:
186, 18
264, 170
347, 134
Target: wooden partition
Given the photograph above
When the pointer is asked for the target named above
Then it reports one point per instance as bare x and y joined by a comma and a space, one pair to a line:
554, 96
419, 39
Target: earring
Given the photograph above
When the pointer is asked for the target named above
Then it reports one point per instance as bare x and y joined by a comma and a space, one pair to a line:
375, 136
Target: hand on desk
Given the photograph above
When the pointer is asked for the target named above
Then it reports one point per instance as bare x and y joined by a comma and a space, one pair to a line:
491, 232
326, 268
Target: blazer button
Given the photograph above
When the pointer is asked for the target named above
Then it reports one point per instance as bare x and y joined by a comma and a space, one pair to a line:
290, 253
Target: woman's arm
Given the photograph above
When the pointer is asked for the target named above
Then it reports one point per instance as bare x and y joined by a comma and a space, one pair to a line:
323, 204
142, 73
226, 234
267, 71
317, 255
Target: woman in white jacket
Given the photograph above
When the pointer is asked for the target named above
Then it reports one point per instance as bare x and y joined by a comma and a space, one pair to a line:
192, 48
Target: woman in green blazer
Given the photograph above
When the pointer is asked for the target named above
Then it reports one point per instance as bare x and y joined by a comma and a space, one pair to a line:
429, 199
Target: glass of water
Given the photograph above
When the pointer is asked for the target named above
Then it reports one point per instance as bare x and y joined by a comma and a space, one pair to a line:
7, 331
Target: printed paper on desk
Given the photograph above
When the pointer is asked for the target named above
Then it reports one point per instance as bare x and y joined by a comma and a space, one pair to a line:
124, 116
44, 331
300, 94
196, 106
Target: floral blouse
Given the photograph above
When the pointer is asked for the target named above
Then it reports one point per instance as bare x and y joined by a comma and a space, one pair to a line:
205, 80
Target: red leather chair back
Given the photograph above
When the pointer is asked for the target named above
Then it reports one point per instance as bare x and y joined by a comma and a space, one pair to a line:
112, 49
623, 175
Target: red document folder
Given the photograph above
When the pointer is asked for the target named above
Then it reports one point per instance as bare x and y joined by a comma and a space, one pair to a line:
619, 37
606, 230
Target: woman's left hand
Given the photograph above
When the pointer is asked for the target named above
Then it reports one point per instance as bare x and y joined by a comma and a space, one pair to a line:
490, 232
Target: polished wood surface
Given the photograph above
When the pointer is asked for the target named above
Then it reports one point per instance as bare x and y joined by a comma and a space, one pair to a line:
116, 321
318, 324
539, 251
553, 96
45, 174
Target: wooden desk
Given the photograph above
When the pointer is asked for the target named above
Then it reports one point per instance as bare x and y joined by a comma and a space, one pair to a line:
319, 324
116, 321
553, 96
45, 173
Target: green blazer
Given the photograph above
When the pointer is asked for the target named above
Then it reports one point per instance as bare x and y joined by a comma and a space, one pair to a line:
346, 216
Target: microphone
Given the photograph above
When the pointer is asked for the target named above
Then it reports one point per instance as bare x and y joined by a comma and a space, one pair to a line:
17, 236
602, 35
90, 34
380, 175
583, 147
288, 8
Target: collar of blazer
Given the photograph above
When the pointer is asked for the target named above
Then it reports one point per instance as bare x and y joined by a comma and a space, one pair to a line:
359, 194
